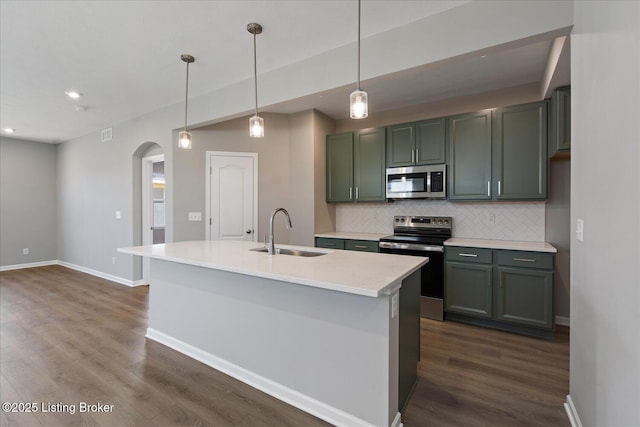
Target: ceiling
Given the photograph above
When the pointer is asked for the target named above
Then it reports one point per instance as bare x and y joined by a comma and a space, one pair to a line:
124, 57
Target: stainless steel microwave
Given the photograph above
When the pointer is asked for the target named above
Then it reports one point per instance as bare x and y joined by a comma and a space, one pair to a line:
417, 182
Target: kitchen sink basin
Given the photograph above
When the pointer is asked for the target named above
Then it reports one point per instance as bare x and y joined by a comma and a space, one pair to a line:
294, 252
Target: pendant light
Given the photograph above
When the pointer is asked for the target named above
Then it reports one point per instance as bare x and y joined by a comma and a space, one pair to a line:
184, 138
358, 100
256, 123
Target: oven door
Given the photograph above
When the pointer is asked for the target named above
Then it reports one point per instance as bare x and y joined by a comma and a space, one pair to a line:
432, 275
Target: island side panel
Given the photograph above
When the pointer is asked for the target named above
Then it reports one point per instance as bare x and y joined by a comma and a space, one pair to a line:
338, 351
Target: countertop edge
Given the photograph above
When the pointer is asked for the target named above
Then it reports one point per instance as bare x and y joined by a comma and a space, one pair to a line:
383, 290
512, 245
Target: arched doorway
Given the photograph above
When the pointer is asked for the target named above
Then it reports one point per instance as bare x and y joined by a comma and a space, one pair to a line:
149, 202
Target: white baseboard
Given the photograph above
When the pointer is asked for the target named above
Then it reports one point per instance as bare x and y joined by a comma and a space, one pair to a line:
562, 321
572, 414
28, 265
301, 401
97, 273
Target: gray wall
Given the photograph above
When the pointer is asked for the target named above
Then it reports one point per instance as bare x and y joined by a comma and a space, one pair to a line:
28, 202
605, 193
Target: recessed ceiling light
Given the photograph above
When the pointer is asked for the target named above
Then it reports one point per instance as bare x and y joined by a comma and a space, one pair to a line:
8, 130
73, 94
81, 108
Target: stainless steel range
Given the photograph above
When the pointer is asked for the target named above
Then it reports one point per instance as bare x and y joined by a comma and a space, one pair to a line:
423, 236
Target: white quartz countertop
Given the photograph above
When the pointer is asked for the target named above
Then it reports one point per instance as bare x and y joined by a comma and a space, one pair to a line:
514, 245
352, 236
354, 272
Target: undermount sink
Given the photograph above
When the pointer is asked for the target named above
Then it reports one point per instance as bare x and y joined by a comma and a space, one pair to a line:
294, 252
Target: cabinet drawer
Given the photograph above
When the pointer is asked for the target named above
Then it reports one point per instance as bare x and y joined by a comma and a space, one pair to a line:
323, 242
541, 260
361, 245
479, 255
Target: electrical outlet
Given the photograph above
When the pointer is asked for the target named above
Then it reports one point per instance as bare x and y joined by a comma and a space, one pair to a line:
25, 251
113, 260
118, 214
492, 218
580, 230
394, 305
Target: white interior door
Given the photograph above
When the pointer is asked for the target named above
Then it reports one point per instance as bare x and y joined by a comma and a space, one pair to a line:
232, 190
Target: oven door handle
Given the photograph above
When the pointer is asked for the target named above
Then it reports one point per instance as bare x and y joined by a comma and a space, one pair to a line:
410, 247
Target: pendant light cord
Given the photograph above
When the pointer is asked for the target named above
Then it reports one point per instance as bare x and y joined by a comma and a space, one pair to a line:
255, 71
358, 44
186, 99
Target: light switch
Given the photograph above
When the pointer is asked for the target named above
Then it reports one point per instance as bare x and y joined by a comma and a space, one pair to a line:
580, 230
394, 305
195, 216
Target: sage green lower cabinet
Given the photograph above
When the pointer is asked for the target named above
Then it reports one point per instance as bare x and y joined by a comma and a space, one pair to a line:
361, 245
468, 289
525, 296
500, 289
348, 244
324, 242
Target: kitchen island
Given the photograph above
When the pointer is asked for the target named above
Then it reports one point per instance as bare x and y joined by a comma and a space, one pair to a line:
322, 333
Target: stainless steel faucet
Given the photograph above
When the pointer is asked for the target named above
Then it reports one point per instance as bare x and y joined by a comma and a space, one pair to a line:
271, 247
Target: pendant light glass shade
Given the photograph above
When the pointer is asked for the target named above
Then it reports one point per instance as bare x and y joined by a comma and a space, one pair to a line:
256, 123
359, 107
358, 100
256, 127
184, 138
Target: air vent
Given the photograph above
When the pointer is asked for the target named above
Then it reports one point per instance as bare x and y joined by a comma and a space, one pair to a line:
107, 134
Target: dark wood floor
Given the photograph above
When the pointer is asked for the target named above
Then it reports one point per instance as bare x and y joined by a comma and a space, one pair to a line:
67, 337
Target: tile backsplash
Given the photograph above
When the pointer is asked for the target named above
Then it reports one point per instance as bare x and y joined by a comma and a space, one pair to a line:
488, 220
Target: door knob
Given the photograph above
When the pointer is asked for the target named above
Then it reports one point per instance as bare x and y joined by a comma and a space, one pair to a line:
249, 231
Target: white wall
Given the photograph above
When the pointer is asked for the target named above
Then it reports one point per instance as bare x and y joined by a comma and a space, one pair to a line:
605, 192
28, 202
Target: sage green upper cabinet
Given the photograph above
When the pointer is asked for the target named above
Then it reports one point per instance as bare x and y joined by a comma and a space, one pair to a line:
470, 156
431, 142
560, 121
369, 165
520, 143
340, 167
418, 143
401, 144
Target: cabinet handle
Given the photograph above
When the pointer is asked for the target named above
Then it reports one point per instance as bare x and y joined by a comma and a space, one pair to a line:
413, 156
360, 246
357, 195
489, 188
350, 192
417, 155
524, 259
469, 255
499, 188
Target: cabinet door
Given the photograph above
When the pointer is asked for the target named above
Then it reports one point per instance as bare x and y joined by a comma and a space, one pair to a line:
468, 289
520, 141
561, 120
525, 296
470, 156
430, 142
340, 167
401, 141
369, 165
